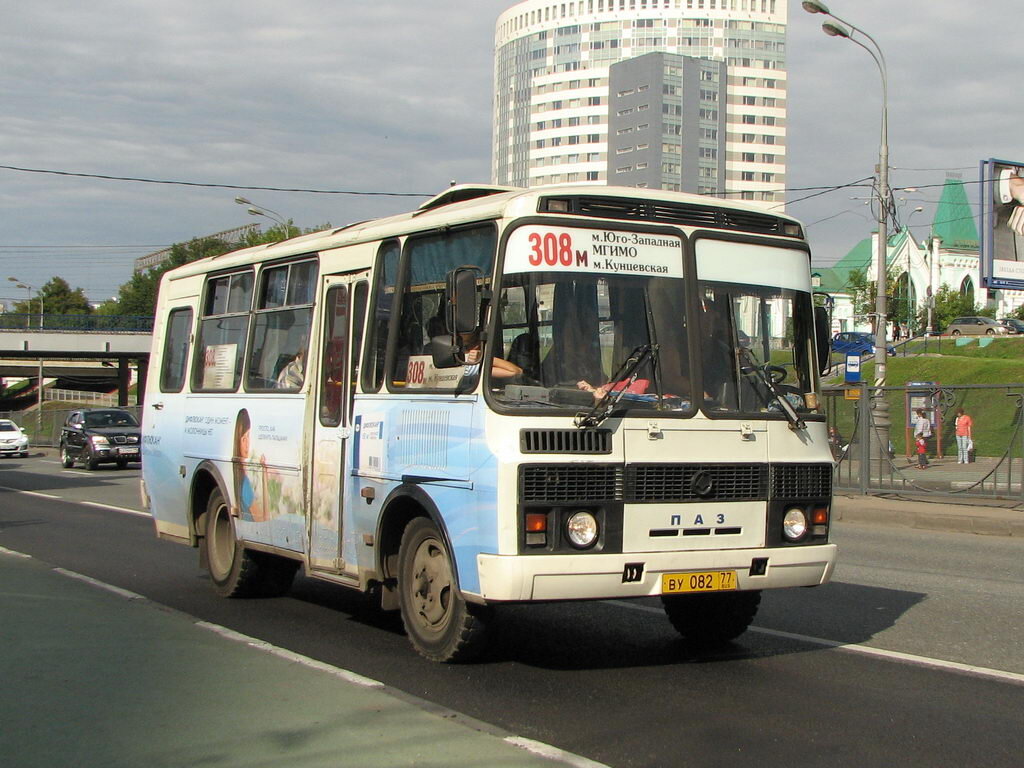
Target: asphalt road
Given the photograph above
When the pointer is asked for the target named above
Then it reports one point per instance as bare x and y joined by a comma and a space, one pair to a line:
865, 671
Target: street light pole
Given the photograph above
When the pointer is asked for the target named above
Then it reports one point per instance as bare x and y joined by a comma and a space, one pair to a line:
259, 210
30, 288
880, 405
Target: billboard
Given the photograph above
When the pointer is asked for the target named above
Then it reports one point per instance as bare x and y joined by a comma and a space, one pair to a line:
1001, 228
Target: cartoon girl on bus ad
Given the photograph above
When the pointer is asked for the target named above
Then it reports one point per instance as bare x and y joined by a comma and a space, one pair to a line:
250, 476
263, 490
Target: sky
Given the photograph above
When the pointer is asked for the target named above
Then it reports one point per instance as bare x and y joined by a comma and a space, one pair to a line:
395, 97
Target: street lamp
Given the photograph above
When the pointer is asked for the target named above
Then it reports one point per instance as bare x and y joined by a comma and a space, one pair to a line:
259, 210
881, 406
30, 288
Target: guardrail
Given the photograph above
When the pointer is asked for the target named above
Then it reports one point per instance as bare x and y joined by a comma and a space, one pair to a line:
17, 321
78, 396
995, 468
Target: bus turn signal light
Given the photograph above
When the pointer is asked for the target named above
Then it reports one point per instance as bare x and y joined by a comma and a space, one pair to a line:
536, 522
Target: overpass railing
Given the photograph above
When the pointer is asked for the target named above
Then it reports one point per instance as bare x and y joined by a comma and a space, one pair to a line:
19, 321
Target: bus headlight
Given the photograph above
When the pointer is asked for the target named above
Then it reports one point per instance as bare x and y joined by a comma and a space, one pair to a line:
794, 524
581, 529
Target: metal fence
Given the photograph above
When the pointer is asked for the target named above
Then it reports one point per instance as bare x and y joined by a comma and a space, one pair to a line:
17, 321
875, 457
43, 427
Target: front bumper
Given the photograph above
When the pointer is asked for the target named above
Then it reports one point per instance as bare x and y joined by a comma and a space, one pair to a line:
511, 578
13, 448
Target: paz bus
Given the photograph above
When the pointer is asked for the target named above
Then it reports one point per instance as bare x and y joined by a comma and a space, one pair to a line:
503, 396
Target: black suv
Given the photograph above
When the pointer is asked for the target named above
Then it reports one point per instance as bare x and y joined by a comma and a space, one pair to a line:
100, 436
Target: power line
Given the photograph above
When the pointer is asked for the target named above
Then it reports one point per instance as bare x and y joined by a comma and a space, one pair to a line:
215, 186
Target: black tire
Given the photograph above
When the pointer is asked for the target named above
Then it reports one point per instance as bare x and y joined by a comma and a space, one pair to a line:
955, 333
233, 569
990, 332
91, 462
709, 620
122, 463
440, 624
66, 459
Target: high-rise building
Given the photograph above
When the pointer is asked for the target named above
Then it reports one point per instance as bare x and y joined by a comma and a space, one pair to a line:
675, 94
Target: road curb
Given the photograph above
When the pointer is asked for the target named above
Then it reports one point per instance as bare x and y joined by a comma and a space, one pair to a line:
979, 520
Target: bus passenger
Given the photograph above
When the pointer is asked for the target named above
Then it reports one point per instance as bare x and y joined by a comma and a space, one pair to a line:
292, 375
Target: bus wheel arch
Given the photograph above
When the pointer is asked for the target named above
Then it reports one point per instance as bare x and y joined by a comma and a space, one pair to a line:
235, 570
205, 480
400, 508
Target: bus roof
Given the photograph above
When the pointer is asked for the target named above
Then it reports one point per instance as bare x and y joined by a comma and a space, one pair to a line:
465, 203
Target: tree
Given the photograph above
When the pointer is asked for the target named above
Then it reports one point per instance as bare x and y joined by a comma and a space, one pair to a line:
863, 294
950, 304
138, 295
58, 298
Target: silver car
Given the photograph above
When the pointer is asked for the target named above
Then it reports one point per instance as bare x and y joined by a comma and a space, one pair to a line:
975, 326
13, 440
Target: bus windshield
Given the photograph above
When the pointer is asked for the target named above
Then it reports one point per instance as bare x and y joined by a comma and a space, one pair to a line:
756, 339
571, 325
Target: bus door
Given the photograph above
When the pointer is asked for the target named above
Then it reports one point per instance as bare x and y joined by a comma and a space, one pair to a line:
343, 298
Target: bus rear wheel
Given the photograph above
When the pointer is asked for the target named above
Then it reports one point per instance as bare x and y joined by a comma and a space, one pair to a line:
708, 620
235, 570
441, 625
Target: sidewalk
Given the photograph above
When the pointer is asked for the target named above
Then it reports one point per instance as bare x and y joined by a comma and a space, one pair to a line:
94, 677
963, 515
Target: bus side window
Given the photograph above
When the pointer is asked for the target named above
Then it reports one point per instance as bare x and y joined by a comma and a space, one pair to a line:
172, 370
332, 369
359, 299
377, 327
221, 349
283, 317
429, 260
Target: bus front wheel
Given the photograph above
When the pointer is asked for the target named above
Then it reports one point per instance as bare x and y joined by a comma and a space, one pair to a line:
441, 625
707, 620
235, 570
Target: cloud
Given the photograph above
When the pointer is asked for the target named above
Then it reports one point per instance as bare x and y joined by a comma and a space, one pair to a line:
396, 96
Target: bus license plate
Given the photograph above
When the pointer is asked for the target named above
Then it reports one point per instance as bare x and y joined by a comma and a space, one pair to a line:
701, 581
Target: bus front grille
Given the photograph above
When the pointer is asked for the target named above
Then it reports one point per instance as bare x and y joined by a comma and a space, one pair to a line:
801, 481
583, 441
569, 483
671, 483
652, 483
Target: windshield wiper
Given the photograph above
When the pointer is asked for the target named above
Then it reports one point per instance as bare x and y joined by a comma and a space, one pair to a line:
625, 375
751, 366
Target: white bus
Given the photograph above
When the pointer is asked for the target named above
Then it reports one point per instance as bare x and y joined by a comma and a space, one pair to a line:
504, 396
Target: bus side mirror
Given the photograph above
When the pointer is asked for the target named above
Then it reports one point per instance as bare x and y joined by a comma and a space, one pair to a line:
462, 315
822, 339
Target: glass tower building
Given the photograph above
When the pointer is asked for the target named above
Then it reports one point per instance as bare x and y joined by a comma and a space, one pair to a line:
672, 94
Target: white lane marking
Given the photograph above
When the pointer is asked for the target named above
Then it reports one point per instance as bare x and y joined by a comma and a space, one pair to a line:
867, 650
96, 504
283, 653
552, 753
13, 553
126, 510
29, 493
125, 593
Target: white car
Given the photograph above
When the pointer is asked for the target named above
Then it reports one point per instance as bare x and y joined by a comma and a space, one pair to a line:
13, 440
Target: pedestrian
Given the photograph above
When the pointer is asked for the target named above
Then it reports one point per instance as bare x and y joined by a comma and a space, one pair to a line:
964, 436
922, 431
